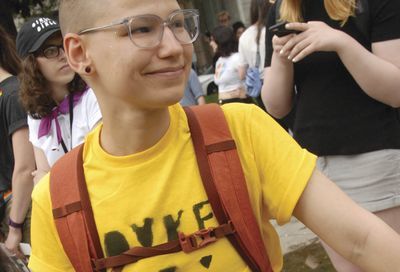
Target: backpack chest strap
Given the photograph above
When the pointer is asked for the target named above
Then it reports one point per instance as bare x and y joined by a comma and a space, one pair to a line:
185, 243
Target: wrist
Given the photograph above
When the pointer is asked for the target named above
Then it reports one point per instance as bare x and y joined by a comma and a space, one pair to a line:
15, 225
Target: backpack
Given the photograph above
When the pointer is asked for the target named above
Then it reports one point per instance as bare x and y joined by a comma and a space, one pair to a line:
224, 183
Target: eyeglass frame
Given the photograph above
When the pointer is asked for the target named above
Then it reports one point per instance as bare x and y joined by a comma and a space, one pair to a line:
126, 21
40, 51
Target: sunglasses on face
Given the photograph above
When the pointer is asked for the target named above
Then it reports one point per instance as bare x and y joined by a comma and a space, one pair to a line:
146, 31
50, 51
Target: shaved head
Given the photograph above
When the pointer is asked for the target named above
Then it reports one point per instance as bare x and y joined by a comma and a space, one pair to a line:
77, 14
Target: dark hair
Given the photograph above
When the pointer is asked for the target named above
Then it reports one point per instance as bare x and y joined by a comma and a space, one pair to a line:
258, 14
35, 93
9, 59
237, 25
223, 36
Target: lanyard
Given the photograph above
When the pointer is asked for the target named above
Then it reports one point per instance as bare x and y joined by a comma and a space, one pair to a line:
71, 120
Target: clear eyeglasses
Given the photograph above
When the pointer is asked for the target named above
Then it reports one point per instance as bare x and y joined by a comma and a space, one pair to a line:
51, 51
146, 31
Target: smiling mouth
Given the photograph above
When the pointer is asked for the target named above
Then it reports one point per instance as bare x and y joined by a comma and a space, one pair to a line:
169, 72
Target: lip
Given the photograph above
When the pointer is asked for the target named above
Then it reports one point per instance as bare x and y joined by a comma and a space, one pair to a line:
167, 72
65, 67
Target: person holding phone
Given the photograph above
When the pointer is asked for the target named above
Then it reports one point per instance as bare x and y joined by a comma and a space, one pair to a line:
347, 84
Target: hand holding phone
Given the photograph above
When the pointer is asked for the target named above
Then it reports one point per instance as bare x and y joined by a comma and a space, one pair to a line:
280, 30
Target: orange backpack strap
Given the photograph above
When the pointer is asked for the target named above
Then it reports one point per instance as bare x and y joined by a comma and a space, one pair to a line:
77, 230
225, 184
72, 211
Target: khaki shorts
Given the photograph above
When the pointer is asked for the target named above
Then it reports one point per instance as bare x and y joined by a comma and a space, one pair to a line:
26, 235
371, 179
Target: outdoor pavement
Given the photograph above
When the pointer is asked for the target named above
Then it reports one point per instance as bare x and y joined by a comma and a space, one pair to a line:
294, 235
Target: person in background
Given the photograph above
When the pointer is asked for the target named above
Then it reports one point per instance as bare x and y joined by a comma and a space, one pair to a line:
238, 29
193, 94
230, 83
62, 110
224, 18
348, 87
252, 40
16, 157
140, 165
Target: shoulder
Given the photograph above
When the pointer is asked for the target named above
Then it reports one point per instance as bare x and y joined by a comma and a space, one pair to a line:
88, 95
235, 56
10, 87
248, 33
242, 117
41, 192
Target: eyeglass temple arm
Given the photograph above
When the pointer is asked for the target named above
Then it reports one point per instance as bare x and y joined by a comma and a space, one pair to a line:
93, 29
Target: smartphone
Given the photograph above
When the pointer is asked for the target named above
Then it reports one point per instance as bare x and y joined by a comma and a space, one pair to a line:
280, 30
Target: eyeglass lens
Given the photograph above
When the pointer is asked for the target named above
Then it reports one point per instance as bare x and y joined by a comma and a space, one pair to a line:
52, 51
146, 31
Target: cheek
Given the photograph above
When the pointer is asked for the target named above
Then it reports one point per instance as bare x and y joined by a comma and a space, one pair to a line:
47, 70
188, 53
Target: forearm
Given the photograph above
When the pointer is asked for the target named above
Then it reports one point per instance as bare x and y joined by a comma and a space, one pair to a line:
378, 78
353, 232
22, 186
201, 100
277, 91
381, 242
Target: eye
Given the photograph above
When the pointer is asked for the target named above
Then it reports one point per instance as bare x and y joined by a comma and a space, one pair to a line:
51, 50
178, 23
141, 29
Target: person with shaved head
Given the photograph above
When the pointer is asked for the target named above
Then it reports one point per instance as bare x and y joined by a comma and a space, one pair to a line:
140, 166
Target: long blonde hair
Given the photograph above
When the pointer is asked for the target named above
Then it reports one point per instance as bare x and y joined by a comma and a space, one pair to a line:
339, 10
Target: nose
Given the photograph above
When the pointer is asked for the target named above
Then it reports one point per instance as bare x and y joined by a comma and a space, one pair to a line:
169, 45
61, 54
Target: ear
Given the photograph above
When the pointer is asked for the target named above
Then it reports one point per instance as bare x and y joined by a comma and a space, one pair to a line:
75, 52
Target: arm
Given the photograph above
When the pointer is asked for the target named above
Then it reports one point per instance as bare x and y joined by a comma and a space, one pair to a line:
277, 91
22, 184
201, 100
377, 73
42, 165
355, 233
242, 72
243, 63
196, 89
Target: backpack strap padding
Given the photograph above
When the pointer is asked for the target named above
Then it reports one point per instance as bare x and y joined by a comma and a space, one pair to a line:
72, 211
224, 182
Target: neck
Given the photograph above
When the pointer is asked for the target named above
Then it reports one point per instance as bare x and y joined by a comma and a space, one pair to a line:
59, 92
132, 131
4, 74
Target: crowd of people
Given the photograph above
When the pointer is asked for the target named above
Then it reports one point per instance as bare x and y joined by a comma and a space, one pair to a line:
118, 83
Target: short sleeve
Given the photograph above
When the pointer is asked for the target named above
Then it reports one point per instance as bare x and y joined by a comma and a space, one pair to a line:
241, 50
33, 131
15, 114
195, 85
273, 161
385, 20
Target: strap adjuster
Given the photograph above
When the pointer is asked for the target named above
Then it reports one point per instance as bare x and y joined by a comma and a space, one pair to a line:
196, 240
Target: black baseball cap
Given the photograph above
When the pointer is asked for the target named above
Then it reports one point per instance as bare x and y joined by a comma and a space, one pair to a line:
34, 33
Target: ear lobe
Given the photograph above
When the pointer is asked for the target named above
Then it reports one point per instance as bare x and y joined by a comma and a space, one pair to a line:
75, 52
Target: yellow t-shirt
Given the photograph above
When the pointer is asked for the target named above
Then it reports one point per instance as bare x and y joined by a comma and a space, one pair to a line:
145, 198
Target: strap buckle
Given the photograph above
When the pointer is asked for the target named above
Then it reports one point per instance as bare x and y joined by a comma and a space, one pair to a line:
196, 240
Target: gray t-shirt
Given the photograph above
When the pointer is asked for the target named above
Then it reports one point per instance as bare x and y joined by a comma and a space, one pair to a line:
12, 118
